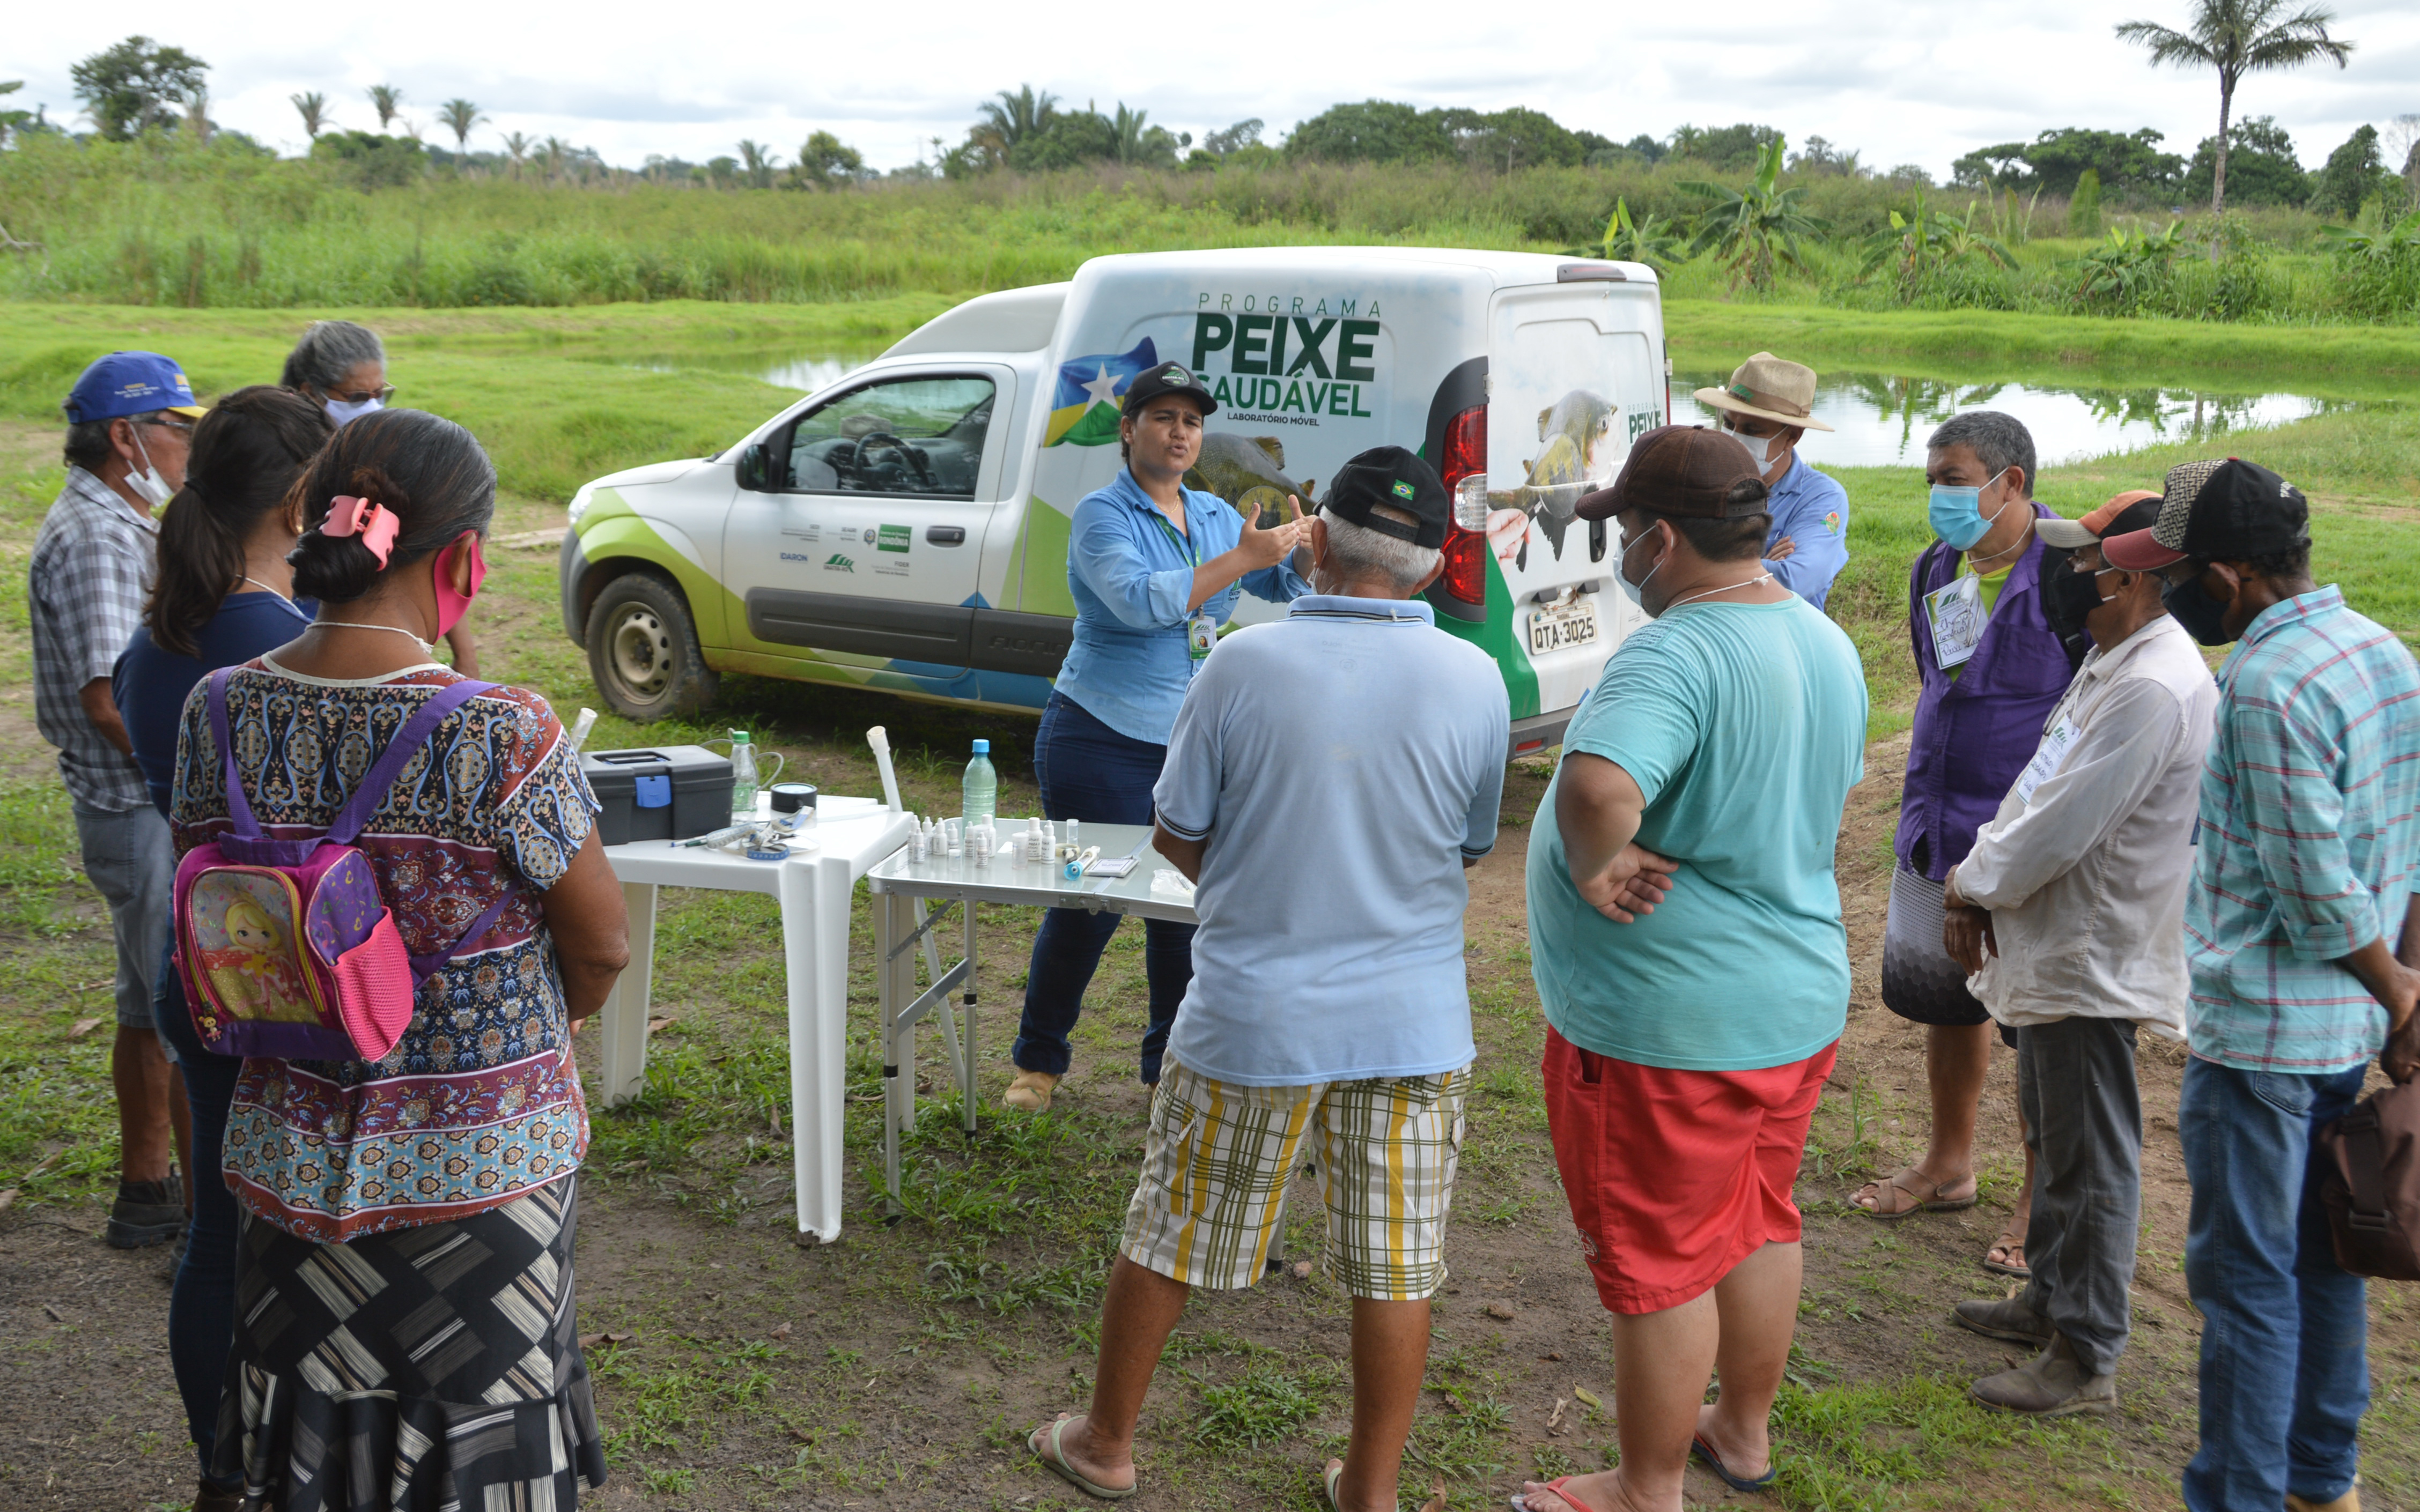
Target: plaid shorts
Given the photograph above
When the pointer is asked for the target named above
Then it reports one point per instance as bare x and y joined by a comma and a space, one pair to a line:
1220, 1157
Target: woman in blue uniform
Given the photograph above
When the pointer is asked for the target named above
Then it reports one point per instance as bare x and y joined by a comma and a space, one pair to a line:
1156, 568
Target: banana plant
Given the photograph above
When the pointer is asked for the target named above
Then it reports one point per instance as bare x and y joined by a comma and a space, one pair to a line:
2130, 269
1754, 229
1918, 244
1652, 239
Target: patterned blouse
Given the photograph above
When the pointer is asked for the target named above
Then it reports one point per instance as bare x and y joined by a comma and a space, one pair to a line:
478, 1103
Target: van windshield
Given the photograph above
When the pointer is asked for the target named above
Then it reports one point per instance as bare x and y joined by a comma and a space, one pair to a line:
920, 436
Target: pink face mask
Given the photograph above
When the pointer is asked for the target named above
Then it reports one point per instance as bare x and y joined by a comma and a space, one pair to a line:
452, 606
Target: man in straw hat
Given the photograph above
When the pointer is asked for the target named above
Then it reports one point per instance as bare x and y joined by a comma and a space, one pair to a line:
2300, 905
2068, 918
1766, 406
1692, 1028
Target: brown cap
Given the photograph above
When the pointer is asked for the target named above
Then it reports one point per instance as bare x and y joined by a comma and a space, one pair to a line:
1681, 469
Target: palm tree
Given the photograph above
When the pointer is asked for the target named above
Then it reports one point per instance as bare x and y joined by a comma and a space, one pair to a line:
386, 99
757, 162
2237, 37
314, 107
1012, 118
517, 147
1128, 125
554, 152
458, 116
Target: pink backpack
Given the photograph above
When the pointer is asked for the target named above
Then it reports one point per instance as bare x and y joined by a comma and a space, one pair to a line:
285, 946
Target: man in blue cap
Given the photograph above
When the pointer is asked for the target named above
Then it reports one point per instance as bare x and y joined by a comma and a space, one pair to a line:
130, 423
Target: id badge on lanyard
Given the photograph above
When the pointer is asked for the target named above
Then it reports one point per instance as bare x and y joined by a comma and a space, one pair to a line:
1201, 630
1958, 618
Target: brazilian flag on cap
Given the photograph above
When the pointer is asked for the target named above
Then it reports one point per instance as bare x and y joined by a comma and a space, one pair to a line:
1084, 411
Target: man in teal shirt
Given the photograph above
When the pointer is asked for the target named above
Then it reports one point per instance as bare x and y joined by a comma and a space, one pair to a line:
1686, 932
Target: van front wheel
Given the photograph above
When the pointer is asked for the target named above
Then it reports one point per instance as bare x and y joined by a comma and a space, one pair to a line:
644, 651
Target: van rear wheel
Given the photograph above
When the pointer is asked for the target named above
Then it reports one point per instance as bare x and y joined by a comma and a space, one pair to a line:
644, 651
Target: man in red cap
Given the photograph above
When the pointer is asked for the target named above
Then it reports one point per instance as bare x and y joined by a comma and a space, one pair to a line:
2067, 915
2307, 848
1685, 935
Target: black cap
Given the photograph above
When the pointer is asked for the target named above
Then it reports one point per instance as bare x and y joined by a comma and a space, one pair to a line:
1394, 492
2217, 511
1167, 377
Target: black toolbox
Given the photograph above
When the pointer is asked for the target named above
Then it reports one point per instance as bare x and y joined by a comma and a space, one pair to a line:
663, 793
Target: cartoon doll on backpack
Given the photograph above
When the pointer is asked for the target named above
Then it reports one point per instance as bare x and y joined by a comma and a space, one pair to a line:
256, 974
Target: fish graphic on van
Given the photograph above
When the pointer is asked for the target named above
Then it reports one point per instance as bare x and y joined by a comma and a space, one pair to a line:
1575, 461
1084, 410
1248, 471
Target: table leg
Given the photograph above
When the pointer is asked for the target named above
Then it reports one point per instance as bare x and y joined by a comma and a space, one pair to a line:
815, 898
967, 1071
624, 1018
898, 990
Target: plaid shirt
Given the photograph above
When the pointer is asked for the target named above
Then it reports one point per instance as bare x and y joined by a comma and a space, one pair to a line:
91, 571
2308, 833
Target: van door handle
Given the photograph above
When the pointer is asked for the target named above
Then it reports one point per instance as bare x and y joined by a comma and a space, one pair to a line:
945, 535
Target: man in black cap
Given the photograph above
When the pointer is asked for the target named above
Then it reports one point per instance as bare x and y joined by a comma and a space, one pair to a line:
1330, 776
2307, 848
1692, 1029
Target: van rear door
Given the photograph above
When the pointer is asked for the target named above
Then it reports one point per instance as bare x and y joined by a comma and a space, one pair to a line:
1575, 374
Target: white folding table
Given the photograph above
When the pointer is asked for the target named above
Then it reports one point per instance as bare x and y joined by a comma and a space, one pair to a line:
813, 889
900, 887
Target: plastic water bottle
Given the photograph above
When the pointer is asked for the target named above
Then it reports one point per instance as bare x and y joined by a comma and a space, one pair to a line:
743, 778
981, 789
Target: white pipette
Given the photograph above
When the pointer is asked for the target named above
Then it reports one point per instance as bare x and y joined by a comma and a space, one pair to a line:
880, 739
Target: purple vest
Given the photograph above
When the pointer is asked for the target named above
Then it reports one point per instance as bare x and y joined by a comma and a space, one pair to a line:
1974, 733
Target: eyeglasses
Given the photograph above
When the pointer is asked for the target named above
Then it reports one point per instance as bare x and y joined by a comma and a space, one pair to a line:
381, 394
183, 427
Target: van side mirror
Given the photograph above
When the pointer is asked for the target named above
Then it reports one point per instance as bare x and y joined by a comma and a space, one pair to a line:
751, 468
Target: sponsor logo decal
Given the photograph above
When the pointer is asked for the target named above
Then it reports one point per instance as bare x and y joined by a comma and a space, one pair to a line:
838, 563
889, 538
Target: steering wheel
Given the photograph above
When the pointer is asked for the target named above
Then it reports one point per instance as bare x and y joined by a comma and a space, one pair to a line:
858, 466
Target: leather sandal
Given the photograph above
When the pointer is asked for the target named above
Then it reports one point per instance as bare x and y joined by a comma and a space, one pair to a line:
1924, 1195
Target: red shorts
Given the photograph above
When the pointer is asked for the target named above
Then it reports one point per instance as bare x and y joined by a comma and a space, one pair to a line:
1675, 1177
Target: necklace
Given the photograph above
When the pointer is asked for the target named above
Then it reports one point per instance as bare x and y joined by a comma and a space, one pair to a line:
1759, 578
246, 577
425, 649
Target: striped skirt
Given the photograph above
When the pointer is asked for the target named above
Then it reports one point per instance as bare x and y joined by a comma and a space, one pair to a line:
424, 1369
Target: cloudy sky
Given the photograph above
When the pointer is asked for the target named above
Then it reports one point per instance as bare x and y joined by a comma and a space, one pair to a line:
1916, 81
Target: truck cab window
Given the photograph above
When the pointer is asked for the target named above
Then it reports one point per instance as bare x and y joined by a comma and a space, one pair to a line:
920, 437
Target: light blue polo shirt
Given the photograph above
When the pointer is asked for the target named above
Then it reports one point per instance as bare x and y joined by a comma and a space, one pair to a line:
1341, 762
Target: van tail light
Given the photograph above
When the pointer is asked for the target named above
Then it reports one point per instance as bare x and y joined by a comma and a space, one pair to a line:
1465, 470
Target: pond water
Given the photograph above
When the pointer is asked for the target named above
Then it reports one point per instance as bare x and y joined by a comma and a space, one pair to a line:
1882, 420
1878, 419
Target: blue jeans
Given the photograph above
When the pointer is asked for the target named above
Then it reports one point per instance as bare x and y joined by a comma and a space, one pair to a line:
1089, 772
2274, 1307
201, 1307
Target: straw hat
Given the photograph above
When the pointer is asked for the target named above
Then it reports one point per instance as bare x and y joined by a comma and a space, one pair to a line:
1770, 389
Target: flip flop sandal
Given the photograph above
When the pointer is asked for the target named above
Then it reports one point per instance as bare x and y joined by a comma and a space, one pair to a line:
1055, 1461
2008, 1239
1555, 1488
1935, 1203
1704, 1453
1330, 1475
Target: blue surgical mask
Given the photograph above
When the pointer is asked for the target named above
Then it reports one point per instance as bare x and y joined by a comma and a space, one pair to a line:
344, 414
1958, 516
1632, 591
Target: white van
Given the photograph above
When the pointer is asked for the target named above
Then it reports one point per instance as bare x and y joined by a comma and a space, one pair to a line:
906, 529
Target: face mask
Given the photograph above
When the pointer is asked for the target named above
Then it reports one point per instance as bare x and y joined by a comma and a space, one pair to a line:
1958, 516
1632, 591
153, 488
452, 606
2203, 617
344, 414
1759, 449
2066, 597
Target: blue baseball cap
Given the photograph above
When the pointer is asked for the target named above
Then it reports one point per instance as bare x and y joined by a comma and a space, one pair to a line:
129, 383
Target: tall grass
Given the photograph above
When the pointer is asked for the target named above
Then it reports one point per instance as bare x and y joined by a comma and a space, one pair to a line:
161, 222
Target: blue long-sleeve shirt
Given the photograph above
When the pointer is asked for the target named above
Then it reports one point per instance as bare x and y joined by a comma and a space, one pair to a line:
1813, 510
1131, 575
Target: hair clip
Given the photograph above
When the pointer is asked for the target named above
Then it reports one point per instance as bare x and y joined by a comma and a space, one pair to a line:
374, 523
